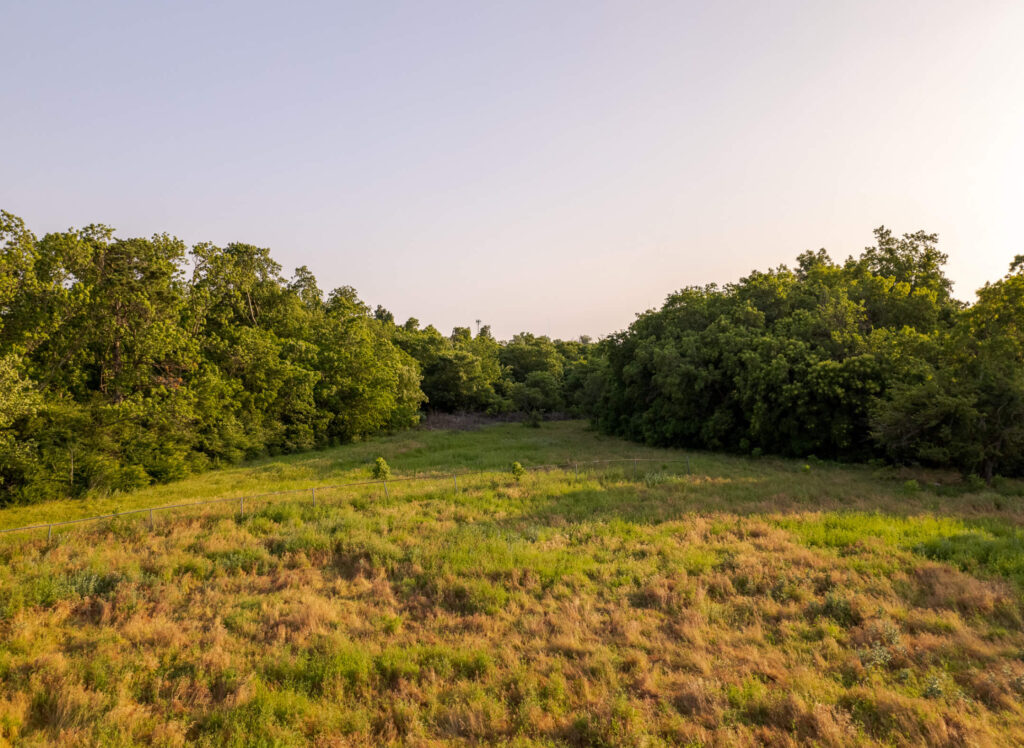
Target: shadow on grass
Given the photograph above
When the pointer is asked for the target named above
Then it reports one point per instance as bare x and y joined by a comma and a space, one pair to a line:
984, 545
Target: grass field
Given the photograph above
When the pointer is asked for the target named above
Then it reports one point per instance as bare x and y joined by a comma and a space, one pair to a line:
752, 601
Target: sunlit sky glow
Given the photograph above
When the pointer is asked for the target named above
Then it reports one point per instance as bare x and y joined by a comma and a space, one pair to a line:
548, 166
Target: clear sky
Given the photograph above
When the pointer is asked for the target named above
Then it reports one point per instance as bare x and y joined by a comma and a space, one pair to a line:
552, 166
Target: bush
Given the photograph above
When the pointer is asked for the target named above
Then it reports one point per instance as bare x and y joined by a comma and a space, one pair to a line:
975, 482
518, 471
381, 470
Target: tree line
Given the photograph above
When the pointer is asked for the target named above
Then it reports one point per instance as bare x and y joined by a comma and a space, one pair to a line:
125, 362
865, 359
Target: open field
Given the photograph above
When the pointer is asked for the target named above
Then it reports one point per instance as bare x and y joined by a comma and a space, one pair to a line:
753, 601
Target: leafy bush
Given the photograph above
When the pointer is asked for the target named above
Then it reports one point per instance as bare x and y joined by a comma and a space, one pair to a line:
381, 470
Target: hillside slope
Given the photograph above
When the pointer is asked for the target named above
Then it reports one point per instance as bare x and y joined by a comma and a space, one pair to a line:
750, 601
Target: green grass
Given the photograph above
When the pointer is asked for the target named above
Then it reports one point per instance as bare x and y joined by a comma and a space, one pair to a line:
749, 601
408, 453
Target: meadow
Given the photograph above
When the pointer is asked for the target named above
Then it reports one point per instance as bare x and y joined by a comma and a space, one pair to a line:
742, 601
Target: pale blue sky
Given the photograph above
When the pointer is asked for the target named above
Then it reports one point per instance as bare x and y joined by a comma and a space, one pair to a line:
550, 166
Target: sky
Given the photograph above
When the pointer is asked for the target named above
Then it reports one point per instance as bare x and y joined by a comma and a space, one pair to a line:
549, 166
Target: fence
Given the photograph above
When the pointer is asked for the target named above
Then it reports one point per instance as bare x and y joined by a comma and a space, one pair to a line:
311, 490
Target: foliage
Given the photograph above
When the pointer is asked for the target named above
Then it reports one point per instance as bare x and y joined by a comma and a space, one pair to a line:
518, 471
126, 362
851, 361
466, 373
968, 411
381, 470
119, 369
130, 362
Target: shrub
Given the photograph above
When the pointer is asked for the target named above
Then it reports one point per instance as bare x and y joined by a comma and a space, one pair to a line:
381, 470
974, 482
839, 609
518, 471
933, 690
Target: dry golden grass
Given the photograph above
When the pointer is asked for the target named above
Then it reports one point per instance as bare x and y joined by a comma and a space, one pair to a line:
667, 610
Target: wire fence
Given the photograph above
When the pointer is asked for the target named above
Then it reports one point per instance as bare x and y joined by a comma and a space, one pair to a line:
312, 491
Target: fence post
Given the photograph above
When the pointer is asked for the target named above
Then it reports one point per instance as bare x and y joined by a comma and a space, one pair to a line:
455, 480
241, 506
313, 492
687, 464
49, 533
387, 496
576, 469
151, 525
634, 468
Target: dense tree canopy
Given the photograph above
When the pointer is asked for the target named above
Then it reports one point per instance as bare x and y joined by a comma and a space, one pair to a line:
865, 358
130, 361
967, 407
119, 368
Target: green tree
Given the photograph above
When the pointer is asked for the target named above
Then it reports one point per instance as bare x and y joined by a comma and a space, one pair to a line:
117, 369
784, 361
968, 410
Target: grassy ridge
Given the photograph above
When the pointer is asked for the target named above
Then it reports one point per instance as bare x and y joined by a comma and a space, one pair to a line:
755, 600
